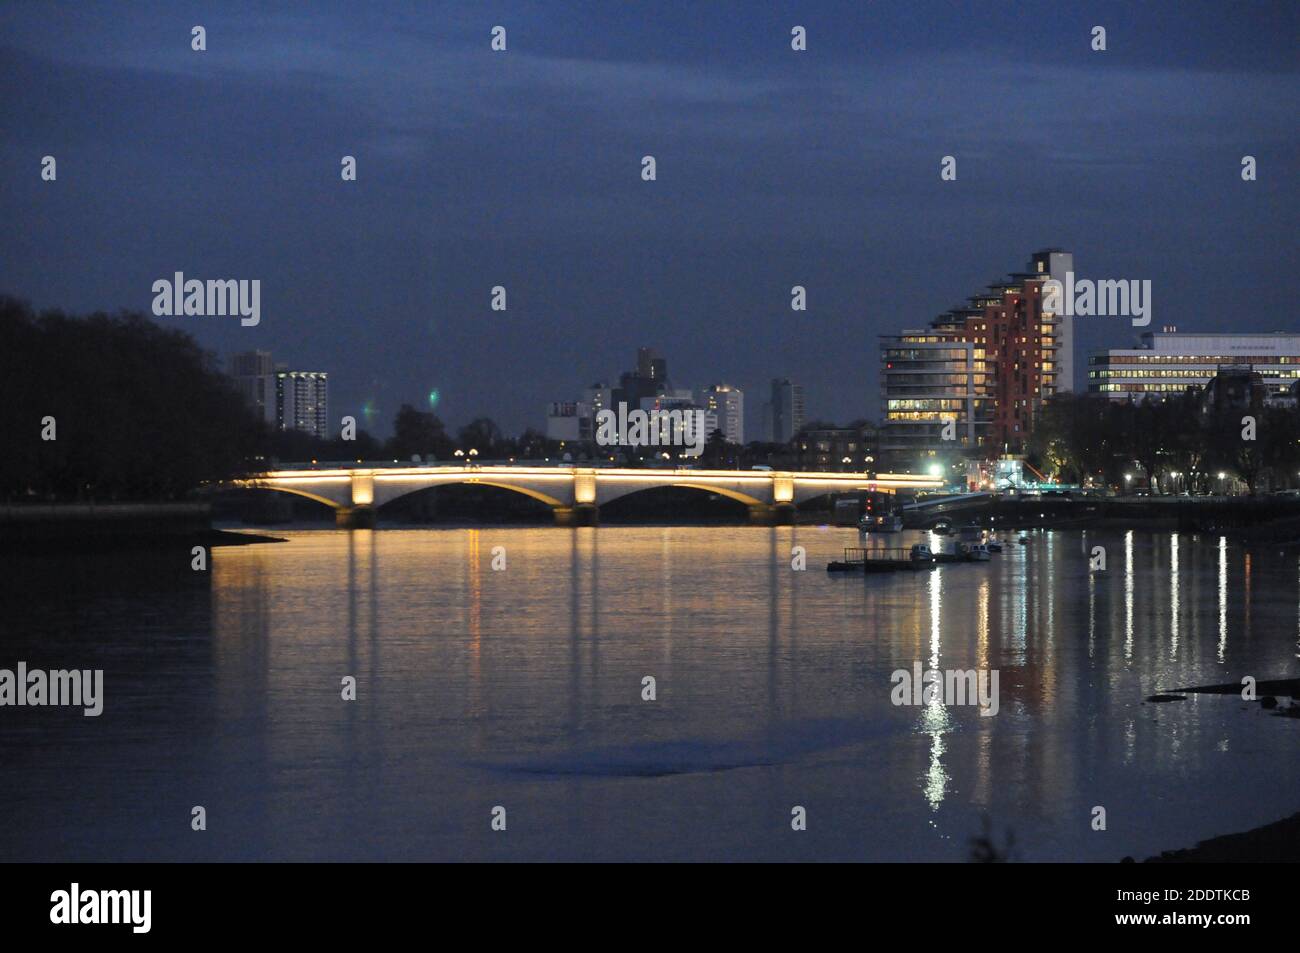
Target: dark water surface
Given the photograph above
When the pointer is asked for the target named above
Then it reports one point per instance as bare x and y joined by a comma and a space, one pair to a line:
522, 688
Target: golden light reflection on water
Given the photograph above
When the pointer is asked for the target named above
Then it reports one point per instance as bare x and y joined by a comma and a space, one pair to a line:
982, 624
548, 655
474, 585
1245, 595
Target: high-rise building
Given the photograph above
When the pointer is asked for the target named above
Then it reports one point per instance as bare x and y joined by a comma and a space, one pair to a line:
1055, 263
930, 382
302, 402
1167, 362
599, 396
650, 366
648, 380
283, 399
252, 371
251, 364
787, 409
726, 406
1015, 354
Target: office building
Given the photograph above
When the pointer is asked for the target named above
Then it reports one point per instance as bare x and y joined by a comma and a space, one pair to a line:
1168, 362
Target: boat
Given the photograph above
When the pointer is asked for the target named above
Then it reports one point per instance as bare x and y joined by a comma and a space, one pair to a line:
880, 523
994, 546
975, 552
1024, 540
920, 556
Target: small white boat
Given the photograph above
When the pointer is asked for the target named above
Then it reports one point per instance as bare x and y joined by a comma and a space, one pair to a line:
976, 552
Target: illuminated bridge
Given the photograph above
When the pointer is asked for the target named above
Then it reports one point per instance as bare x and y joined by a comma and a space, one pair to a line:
575, 494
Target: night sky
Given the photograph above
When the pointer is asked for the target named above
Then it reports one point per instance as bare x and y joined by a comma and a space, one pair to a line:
522, 169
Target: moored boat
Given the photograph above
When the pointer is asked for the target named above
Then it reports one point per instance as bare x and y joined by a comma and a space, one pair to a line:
880, 523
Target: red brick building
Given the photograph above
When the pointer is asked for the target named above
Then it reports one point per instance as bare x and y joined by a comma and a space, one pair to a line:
1019, 356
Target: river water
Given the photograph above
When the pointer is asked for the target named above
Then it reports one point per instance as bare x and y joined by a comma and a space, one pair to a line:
521, 688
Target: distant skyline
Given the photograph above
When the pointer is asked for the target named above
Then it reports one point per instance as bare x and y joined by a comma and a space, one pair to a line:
522, 169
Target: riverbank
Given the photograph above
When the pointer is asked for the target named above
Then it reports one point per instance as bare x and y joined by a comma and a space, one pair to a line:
112, 527
1276, 843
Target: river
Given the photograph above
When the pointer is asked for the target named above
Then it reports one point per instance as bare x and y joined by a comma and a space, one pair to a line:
521, 687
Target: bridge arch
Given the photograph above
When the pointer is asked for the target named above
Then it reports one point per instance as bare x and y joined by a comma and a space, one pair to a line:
736, 495
332, 504
470, 480
609, 490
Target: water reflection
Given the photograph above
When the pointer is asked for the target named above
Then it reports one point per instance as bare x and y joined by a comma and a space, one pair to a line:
522, 687
1223, 598
1173, 594
1128, 595
934, 715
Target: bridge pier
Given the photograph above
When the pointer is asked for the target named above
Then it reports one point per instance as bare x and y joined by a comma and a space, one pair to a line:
580, 514
772, 514
354, 517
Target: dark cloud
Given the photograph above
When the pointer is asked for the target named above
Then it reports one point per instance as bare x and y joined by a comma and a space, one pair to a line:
775, 169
